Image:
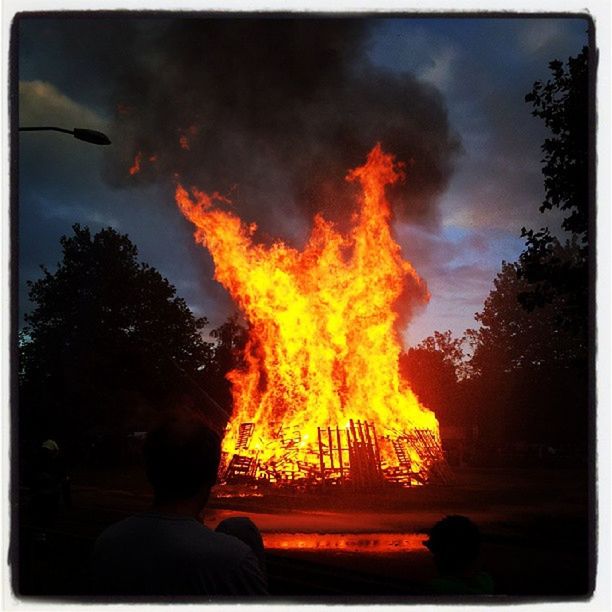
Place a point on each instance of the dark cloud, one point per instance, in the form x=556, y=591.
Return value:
x=80, y=55
x=485, y=67
x=276, y=111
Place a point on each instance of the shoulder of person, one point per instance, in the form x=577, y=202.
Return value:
x=226, y=546
x=116, y=533
x=242, y=572
x=118, y=527
x=231, y=561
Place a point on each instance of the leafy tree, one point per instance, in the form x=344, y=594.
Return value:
x=529, y=379
x=554, y=269
x=107, y=343
x=511, y=337
x=229, y=341
x=557, y=274
x=563, y=104
x=433, y=369
x=450, y=348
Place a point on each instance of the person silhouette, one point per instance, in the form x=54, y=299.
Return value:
x=50, y=485
x=168, y=551
x=455, y=545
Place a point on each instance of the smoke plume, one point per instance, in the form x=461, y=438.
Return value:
x=273, y=112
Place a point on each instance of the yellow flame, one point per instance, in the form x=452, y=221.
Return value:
x=322, y=348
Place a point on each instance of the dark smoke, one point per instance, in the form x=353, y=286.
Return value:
x=275, y=111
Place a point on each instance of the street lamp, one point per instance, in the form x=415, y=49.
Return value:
x=91, y=136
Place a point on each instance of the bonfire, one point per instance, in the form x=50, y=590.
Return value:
x=320, y=398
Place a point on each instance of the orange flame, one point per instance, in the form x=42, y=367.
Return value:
x=138, y=161
x=323, y=348
x=135, y=168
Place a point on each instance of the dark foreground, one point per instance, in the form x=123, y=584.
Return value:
x=535, y=523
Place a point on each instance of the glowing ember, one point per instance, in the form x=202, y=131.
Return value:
x=323, y=349
x=184, y=138
x=139, y=158
x=135, y=168
x=183, y=142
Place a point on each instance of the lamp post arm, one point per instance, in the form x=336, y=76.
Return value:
x=36, y=129
x=91, y=136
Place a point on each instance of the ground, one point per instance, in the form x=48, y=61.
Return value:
x=537, y=534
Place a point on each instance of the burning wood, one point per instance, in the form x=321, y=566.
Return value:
x=346, y=456
x=244, y=435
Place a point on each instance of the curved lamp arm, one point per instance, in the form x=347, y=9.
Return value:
x=91, y=136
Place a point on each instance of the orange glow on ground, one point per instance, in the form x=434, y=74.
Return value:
x=347, y=542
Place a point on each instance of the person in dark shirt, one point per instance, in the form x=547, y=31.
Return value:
x=168, y=551
x=50, y=485
x=455, y=545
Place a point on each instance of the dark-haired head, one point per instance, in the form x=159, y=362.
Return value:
x=182, y=458
x=454, y=543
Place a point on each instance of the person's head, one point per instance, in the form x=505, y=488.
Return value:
x=454, y=543
x=51, y=446
x=49, y=450
x=182, y=458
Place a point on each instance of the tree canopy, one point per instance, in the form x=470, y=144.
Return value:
x=512, y=337
x=107, y=341
x=229, y=341
x=433, y=368
x=559, y=271
x=563, y=104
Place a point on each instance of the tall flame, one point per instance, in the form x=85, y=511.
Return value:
x=323, y=346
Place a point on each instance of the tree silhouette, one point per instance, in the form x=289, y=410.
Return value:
x=511, y=337
x=529, y=380
x=554, y=269
x=563, y=104
x=433, y=369
x=107, y=342
x=227, y=354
